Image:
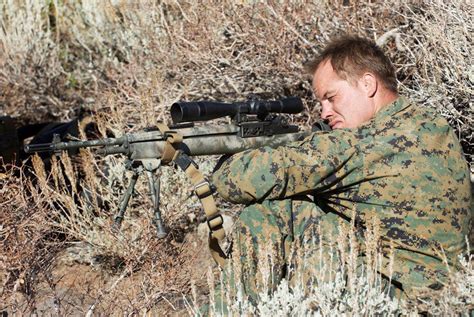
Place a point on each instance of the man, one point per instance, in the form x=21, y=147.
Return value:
x=386, y=159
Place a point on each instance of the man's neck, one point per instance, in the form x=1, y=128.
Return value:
x=384, y=99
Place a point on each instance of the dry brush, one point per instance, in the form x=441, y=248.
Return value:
x=127, y=61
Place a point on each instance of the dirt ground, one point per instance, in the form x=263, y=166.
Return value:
x=78, y=284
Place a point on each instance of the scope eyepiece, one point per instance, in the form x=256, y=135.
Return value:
x=208, y=110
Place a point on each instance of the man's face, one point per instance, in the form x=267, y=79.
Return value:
x=344, y=104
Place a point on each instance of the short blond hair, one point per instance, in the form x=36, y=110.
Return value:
x=351, y=56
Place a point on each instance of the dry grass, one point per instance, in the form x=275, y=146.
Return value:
x=128, y=61
x=347, y=286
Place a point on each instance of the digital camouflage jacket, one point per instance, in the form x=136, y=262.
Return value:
x=405, y=167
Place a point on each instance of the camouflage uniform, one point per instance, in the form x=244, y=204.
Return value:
x=404, y=167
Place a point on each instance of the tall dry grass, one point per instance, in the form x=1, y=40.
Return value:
x=128, y=61
x=349, y=284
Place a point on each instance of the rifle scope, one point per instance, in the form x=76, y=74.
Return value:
x=208, y=110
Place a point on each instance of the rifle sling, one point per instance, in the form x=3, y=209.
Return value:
x=173, y=138
x=202, y=189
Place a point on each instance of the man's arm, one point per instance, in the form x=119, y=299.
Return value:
x=318, y=163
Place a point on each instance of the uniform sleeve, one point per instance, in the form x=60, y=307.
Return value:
x=320, y=162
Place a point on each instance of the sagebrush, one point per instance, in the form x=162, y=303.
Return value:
x=127, y=61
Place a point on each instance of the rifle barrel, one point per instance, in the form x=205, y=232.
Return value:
x=60, y=146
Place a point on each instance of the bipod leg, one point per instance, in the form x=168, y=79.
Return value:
x=125, y=199
x=154, y=185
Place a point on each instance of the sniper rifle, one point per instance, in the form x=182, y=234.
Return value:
x=255, y=123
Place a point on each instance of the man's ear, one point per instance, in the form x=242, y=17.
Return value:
x=370, y=84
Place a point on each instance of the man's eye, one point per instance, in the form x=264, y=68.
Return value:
x=331, y=98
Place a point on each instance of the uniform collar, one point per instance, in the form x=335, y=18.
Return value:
x=389, y=110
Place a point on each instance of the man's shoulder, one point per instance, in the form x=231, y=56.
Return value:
x=407, y=115
x=423, y=110
x=428, y=119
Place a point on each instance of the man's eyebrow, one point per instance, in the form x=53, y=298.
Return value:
x=329, y=92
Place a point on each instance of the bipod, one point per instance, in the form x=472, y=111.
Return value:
x=149, y=166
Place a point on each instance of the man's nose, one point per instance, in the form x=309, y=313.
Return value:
x=326, y=110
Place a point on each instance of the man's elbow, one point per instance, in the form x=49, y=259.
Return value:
x=230, y=191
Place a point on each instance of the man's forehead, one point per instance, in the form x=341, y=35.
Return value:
x=322, y=78
x=325, y=65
